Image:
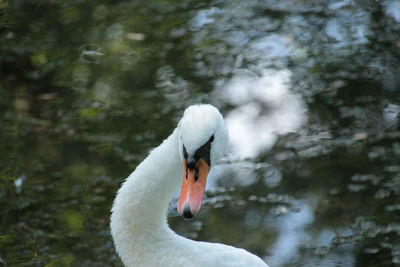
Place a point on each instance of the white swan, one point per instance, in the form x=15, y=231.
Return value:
x=138, y=221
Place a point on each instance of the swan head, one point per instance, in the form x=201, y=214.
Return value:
x=203, y=139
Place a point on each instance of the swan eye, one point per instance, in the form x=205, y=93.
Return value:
x=211, y=139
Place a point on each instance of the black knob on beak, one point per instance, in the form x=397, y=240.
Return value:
x=191, y=163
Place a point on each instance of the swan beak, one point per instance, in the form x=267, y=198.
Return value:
x=193, y=186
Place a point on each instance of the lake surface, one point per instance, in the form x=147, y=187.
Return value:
x=310, y=91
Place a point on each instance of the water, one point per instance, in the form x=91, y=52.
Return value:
x=309, y=90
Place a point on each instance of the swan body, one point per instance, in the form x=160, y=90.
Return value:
x=139, y=214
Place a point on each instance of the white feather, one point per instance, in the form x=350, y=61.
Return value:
x=138, y=221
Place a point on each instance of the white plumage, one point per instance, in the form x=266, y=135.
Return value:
x=138, y=221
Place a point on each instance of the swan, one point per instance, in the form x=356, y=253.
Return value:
x=138, y=224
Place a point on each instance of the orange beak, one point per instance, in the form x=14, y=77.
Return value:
x=192, y=191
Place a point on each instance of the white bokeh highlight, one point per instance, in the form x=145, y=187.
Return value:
x=265, y=109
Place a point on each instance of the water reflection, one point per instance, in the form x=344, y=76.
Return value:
x=392, y=8
x=291, y=234
x=19, y=182
x=309, y=90
x=265, y=109
x=90, y=54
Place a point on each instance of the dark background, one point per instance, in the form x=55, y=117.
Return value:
x=310, y=90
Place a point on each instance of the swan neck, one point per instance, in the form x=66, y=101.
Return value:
x=139, y=214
